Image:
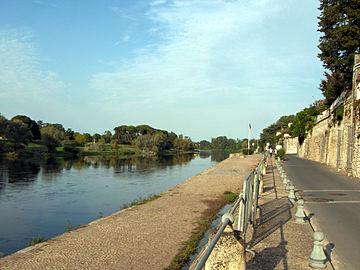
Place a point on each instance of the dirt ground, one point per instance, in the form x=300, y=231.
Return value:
x=144, y=236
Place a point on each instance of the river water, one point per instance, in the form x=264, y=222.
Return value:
x=40, y=198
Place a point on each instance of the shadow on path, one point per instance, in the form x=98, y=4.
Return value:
x=273, y=215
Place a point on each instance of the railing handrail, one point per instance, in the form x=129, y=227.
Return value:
x=227, y=218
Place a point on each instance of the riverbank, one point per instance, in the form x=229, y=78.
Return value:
x=147, y=236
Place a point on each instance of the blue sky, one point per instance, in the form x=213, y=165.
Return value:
x=201, y=68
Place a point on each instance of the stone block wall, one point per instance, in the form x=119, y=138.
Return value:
x=338, y=145
x=291, y=145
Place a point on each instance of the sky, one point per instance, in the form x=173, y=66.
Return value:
x=202, y=68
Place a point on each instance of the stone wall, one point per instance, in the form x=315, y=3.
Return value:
x=338, y=145
x=291, y=145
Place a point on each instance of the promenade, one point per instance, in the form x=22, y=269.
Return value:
x=145, y=236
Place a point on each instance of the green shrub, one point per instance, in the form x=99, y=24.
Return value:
x=247, y=151
x=68, y=226
x=71, y=149
x=33, y=241
x=230, y=196
x=280, y=153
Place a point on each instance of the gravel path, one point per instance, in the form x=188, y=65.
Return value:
x=145, y=236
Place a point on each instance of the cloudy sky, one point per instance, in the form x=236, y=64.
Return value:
x=201, y=68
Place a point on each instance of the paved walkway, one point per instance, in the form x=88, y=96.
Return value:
x=143, y=237
x=279, y=242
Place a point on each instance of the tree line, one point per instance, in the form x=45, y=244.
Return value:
x=224, y=143
x=21, y=130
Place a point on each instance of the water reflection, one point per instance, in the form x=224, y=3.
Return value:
x=12, y=171
x=219, y=155
x=17, y=171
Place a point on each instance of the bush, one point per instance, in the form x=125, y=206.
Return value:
x=71, y=149
x=99, y=146
x=247, y=151
x=280, y=153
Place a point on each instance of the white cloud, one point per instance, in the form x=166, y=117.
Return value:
x=22, y=79
x=205, y=46
x=157, y=2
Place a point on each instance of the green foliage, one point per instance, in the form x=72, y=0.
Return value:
x=98, y=146
x=97, y=137
x=339, y=113
x=113, y=144
x=80, y=138
x=205, y=145
x=224, y=143
x=107, y=136
x=268, y=134
x=332, y=86
x=141, y=201
x=52, y=135
x=31, y=125
x=69, y=135
x=68, y=226
x=230, y=196
x=35, y=240
x=305, y=120
x=280, y=153
x=71, y=149
x=247, y=151
x=15, y=132
x=339, y=22
x=50, y=142
x=56, y=131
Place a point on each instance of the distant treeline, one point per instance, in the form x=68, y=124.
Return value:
x=21, y=130
x=223, y=143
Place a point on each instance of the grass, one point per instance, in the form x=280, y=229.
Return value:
x=140, y=201
x=33, y=241
x=191, y=245
x=230, y=196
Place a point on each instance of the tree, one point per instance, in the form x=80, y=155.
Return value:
x=339, y=22
x=88, y=137
x=69, y=135
x=107, y=136
x=96, y=137
x=52, y=135
x=3, y=124
x=17, y=133
x=80, y=138
x=268, y=134
x=206, y=145
x=50, y=142
x=305, y=120
x=31, y=125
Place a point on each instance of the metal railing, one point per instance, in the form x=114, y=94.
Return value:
x=247, y=204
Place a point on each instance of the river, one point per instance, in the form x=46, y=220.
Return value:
x=41, y=198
